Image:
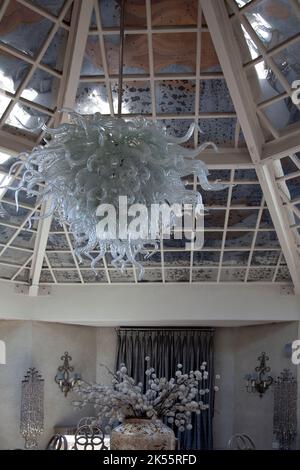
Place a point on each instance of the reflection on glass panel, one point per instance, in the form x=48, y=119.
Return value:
x=117, y=276
x=267, y=239
x=246, y=194
x=14, y=256
x=248, y=174
x=145, y=260
x=214, y=219
x=263, y=82
x=261, y=274
x=27, y=119
x=215, y=97
x=283, y=113
x=12, y=72
x=177, y=275
x=25, y=239
x=288, y=62
x=136, y=98
x=242, y=3
x=265, y=258
x=176, y=96
x=288, y=166
x=67, y=277
x=204, y=275
x=266, y=220
x=42, y=89
x=152, y=275
x=232, y=258
x=232, y=275
x=283, y=275
x=181, y=12
x=294, y=187
x=92, y=98
x=177, y=258
x=273, y=22
x=176, y=127
x=220, y=131
x=92, y=61
x=92, y=277
x=135, y=13
x=206, y=258
x=23, y=276
x=55, y=54
x=238, y=239
x=46, y=277
x=242, y=218
x=135, y=54
x=57, y=242
x=209, y=57
x=5, y=234
x=214, y=198
x=221, y=175
x=174, y=52
x=4, y=102
x=53, y=6
x=24, y=29
x=7, y=272
x=213, y=239
x=60, y=260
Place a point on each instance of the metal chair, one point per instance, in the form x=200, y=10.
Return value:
x=241, y=442
x=89, y=435
x=57, y=442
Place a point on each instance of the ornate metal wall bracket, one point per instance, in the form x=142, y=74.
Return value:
x=259, y=381
x=32, y=408
x=65, y=377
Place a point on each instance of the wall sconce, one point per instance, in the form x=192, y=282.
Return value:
x=65, y=377
x=259, y=381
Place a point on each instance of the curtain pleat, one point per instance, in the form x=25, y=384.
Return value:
x=167, y=348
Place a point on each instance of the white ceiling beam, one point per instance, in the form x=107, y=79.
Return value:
x=228, y=52
x=281, y=147
x=81, y=17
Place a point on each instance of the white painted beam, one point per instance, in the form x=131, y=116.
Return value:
x=281, y=147
x=228, y=52
x=81, y=16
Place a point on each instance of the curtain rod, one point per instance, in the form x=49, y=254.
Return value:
x=158, y=328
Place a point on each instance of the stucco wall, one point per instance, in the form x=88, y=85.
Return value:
x=40, y=345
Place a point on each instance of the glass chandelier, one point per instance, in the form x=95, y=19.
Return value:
x=95, y=159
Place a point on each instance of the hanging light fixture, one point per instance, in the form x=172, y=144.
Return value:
x=94, y=160
x=259, y=381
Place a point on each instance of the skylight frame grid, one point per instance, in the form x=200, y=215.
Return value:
x=261, y=47
x=16, y=97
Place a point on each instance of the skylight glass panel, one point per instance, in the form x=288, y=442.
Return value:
x=136, y=98
x=175, y=96
x=273, y=22
x=27, y=32
x=92, y=60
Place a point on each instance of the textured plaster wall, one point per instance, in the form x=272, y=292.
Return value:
x=237, y=350
x=40, y=345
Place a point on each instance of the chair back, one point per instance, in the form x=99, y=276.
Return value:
x=57, y=442
x=241, y=442
x=89, y=435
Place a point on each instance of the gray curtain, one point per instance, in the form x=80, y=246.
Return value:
x=167, y=348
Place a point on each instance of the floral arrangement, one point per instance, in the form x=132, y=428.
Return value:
x=176, y=399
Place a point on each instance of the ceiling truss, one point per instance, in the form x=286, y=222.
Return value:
x=259, y=153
